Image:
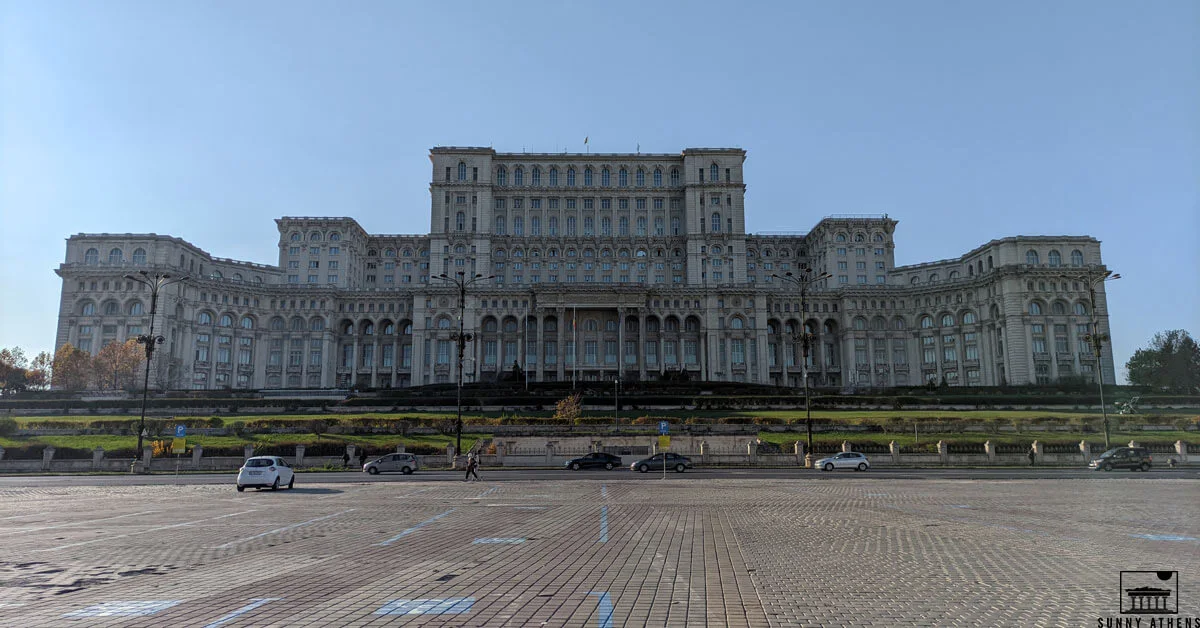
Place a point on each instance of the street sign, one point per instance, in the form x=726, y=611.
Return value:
x=664, y=427
x=664, y=442
x=179, y=445
x=180, y=431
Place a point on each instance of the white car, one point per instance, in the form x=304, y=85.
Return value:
x=844, y=460
x=265, y=472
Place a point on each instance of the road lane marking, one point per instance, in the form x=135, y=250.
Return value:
x=414, y=529
x=483, y=494
x=604, y=609
x=77, y=523
x=38, y=514
x=257, y=602
x=604, y=524
x=284, y=529
x=121, y=536
x=432, y=606
x=498, y=541
x=1164, y=537
x=124, y=609
x=412, y=493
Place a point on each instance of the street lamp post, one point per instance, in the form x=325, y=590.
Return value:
x=806, y=278
x=1096, y=338
x=156, y=283
x=461, y=337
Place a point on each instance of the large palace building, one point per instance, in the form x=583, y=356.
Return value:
x=605, y=265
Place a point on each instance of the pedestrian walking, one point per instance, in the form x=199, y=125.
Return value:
x=472, y=465
x=346, y=460
x=1032, y=457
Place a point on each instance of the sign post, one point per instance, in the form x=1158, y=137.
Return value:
x=664, y=443
x=179, y=445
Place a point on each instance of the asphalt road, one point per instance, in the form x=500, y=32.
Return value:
x=502, y=475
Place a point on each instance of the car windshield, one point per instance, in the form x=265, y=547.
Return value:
x=1109, y=453
x=259, y=463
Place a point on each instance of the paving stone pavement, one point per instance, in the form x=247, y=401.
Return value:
x=626, y=551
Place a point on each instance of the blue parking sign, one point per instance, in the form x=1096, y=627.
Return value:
x=664, y=428
x=180, y=431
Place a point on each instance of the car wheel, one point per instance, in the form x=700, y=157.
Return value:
x=608, y=466
x=575, y=466
x=406, y=471
x=275, y=485
x=679, y=468
x=1107, y=467
x=372, y=471
x=1145, y=466
x=644, y=468
x=862, y=466
x=241, y=489
x=292, y=483
x=829, y=466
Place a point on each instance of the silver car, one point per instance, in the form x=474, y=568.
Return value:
x=844, y=460
x=404, y=463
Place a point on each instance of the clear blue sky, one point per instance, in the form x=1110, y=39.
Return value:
x=965, y=121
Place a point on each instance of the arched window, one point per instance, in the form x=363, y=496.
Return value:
x=135, y=308
x=841, y=237
x=591, y=325
x=969, y=318
x=518, y=176
x=714, y=173
x=217, y=274
x=535, y=176
x=878, y=237
x=1077, y=258
x=926, y=322
x=736, y=323
x=933, y=277
x=115, y=256
x=1081, y=309
x=295, y=237
x=1035, y=308
x=315, y=236
x=335, y=236
x=510, y=326
x=389, y=328
x=587, y=177
x=443, y=323
x=1031, y=257
x=247, y=322
x=553, y=177
x=501, y=176
x=898, y=323
x=226, y=320
x=915, y=281
x=460, y=222
x=277, y=324
x=204, y=318
x=878, y=324
x=674, y=177
x=641, y=178
x=1058, y=308
x=499, y=225
x=605, y=179
x=570, y=177
x=990, y=266
x=92, y=256
x=623, y=178
x=716, y=222
x=89, y=309
x=139, y=257
x=1054, y=258
x=860, y=323
x=317, y=324
x=658, y=177
x=462, y=171
x=368, y=329
x=947, y=320
x=489, y=325
x=858, y=237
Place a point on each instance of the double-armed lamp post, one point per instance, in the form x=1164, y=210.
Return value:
x=462, y=337
x=156, y=283
x=1097, y=338
x=806, y=278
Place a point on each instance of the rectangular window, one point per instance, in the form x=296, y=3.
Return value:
x=739, y=351
x=899, y=352
x=406, y=356
x=550, y=350
x=928, y=349
x=651, y=354
x=610, y=351
x=443, y=352
x=388, y=355
x=589, y=352
x=689, y=352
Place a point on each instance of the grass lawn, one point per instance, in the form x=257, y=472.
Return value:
x=786, y=439
x=111, y=443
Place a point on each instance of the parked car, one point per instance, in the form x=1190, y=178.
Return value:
x=404, y=463
x=844, y=460
x=655, y=463
x=1132, y=458
x=264, y=472
x=594, y=460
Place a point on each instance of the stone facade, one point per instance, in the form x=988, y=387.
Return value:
x=639, y=263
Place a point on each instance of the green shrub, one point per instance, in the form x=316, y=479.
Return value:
x=8, y=426
x=216, y=422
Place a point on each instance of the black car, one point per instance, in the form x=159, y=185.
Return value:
x=594, y=460
x=655, y=463
x=1132, y=458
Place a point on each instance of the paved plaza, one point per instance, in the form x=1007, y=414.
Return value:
x=601, y=549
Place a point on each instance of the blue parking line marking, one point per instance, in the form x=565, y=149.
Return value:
x=432, y=606
x=603, y=491
x=604, y=609
x=604, y=524
x=414, y=528
x=498, y=541
x=255, y=603
x=1164, y=537
x=124, y=609
x=483, y=494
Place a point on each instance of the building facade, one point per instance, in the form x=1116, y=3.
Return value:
x=595, y=266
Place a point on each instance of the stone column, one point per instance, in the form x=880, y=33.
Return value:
x=47, y=457
x=752, y=452
x=1133, y=443
x=1085, y=449
x=97, y=458
x=989, y=448
x=400, y=448
x=561, y=358
x=450, y=458
x=147, y=458
x=621, y=339
x=500, y=448
x=247, y=451
x=1037, y=452
x=1, y=453
x=943, y=452
x=550, y=452
x=197, y=454
x=1181, y=450
x=798, y=449
x=299, y=455
x=641, y=344
x=539, y=351
x=894, y=450
x=846, y=446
